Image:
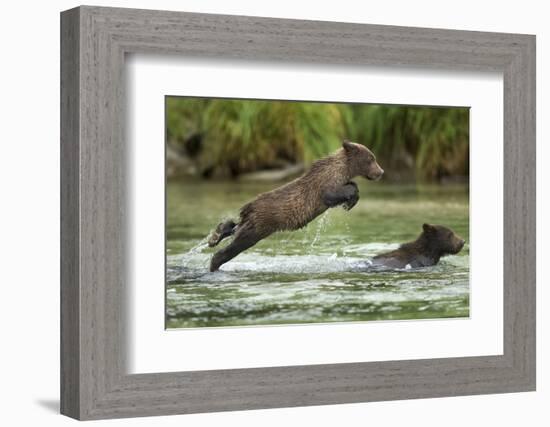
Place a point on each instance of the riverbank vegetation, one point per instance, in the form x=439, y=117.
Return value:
x=227, y=138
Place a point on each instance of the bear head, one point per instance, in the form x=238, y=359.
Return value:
x=441, y=240
x=361, y=161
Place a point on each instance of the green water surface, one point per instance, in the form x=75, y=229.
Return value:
x=319, y=273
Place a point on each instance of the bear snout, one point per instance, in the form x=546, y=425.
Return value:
x=459, y=245
x=376, y=175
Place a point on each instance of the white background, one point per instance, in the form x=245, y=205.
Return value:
x=152, y=349
x=29, y=177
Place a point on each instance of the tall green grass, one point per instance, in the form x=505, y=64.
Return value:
x=246, y=135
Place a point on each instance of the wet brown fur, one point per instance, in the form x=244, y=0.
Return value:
x=294, y=205
x=297, y=203
x=434, y=242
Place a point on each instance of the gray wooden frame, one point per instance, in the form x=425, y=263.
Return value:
x=94, y=41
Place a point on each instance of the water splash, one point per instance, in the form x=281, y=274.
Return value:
x=198, y=248
x=190, y=260
x=322, y=224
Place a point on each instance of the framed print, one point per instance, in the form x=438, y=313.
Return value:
x=262, y=213
x=323, y=263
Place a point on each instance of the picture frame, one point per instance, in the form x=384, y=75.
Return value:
x=94, y=269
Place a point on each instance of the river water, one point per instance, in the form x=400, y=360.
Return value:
x=319, y=273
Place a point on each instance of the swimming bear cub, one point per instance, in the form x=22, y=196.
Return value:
x=328, y=183
x=434, y=242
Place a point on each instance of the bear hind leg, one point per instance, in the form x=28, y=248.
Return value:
x=223, y=230
x=243, y=240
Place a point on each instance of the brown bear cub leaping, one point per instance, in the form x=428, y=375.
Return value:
x=434, y=242
x=292, y=206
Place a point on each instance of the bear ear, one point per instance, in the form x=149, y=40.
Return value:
x=348, y=146
x=427, y=227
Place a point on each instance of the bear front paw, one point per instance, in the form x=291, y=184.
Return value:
x=349, y=205
x=351, y=202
